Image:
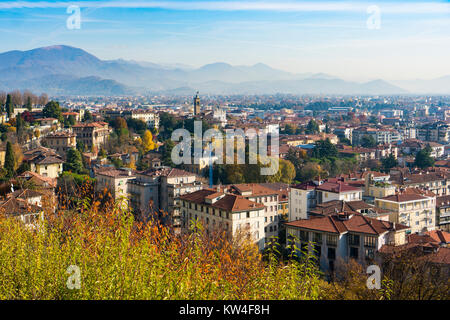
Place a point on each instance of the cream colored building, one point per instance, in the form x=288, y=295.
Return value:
x=259, y=194
x=44, y=161
x=116, y=182
x=61, y=141
x=412, y=208
x=224, y=211
x=92, y=135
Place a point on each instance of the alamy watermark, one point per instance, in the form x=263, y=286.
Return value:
x=211, y=142
x=373, y=22
x=74, y=20
x=74, y=280
x=374, y=280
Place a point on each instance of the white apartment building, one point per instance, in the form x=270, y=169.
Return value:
x=149, y=117
x=339, y=190
x=302, y=198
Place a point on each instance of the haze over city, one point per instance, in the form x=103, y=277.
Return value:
x=332, y=37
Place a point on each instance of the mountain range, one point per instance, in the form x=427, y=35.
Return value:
x=65, y=70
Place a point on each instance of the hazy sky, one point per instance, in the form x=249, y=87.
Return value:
x=413, y=39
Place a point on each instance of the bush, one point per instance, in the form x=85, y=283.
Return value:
x=121, y=258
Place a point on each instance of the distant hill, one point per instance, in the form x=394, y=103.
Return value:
x=67, y=70
x=434, y=86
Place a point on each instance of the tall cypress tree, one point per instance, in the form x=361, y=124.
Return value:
x=29, y=104
x=9, y=160
x=9, y=106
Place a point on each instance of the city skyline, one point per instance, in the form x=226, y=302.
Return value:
x=335, y=38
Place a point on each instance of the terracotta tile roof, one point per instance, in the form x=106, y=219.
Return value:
x=229, y=202
x=356, y=223
x=403, y=197
x=337, y=187
x=305, y=186
x=439, y=236
x=281, y=188
x=331, y=207
x=115, y=173
x=443, y=201
x=256, y=189
x=15, y=206
x=428, y=251
x=60, y=134
x=38, y=179
x=41, y=155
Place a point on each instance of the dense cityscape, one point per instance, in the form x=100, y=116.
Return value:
x=362, y=179
x=225, y=159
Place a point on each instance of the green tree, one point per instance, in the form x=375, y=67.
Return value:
x=29, y=104
x=289, y=129
x=389, y=162
x=312, y=127
x=9, y=106
x=423, y=158
x=88, y=116
x=368, y=142
x=71, y=120
x=167, y=153
x=324, y=149
x=74, y=162
x=19, y=127
x=9, y=160
x=53, y=110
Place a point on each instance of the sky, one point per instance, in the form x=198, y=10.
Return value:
x=353, y=40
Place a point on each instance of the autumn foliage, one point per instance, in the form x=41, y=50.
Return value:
x=121, y=258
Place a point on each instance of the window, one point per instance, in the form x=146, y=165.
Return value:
x=353, y=239
x=248, y=214
x=317, y=237
x=370, y=242
x=304, y=236
x=332, y=240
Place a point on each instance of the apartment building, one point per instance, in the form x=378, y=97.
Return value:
x=151, y=118
x=443, y=213
x=61, y=141
x=337, y=190
x=380, y=135
x=377, y=185
x=411, y=207
x=344, y=132
x=265, y=196
x=344, y=236
x=44, y=161
x=92, y=135
x=413, y=146
x=436, y=132
x=159, y=189
x=437, y=182
x=302, y=198
x=224, y=211
x=116, y=182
